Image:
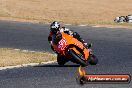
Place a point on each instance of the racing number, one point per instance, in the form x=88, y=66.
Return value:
x=62, y=44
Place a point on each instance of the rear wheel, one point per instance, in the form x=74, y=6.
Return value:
x=77, y=58
x=61, y=60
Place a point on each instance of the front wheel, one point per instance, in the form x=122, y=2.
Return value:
x=77, y=58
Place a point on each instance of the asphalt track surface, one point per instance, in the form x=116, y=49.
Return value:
x=113, y=47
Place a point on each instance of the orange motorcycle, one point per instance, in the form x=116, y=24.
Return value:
x=69, y=48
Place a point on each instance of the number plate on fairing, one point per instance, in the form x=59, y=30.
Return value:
x=62, y=44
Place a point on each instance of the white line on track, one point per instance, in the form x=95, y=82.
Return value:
x=32, y=51
x=68, y=24
x=17, y=49
x=82, y=25
x=27, y=65
x=96, y=26
x=25, y=50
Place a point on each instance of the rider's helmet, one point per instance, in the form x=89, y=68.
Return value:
x=54, y=27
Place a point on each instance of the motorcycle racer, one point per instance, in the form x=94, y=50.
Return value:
x=55, y=28
x=69, y=48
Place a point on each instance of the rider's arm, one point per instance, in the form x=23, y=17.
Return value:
x=66, y=30
x=50, y=37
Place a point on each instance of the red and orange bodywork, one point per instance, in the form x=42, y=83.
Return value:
x=70, y=40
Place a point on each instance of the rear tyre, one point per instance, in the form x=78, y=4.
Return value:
x=77, y=58
x=93, y=60
x=61, y=60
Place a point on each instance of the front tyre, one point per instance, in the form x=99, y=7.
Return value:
x=77, y=58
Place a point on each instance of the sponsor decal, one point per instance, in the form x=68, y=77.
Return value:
x=83, y=78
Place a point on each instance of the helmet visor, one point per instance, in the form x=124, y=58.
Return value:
x=54, y=30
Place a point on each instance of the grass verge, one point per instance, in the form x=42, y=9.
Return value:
x=11, y=57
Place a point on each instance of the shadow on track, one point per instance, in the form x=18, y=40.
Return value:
x=57, y=66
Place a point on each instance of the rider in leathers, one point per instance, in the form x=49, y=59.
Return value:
x=55, y=29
